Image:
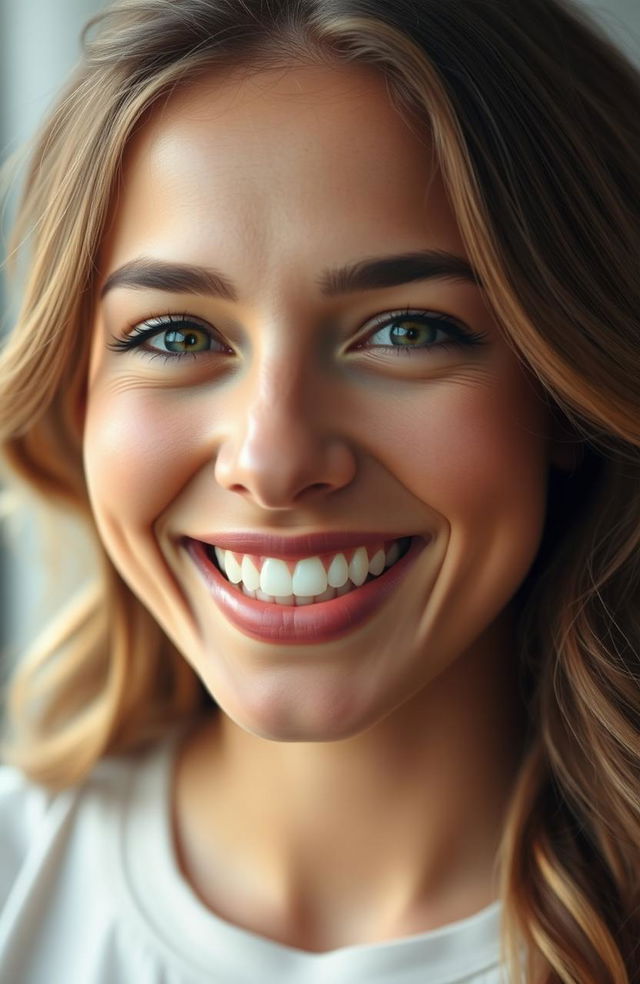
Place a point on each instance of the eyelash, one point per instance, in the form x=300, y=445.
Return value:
x=458, y=336
x=138, y=334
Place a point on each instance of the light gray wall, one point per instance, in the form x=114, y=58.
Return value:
x=38, y=46
x=621, y=18
x=39, y=43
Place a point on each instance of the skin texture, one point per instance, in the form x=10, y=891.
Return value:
x=349, y=791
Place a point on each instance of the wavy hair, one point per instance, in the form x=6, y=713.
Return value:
x=535, y=121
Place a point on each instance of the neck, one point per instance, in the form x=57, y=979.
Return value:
x=391, y=832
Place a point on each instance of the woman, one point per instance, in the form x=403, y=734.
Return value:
x=330, y=330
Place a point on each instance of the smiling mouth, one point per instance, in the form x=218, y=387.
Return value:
x=311, y=579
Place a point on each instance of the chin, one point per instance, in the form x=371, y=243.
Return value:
x=320, y=715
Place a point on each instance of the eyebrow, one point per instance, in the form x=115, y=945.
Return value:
x=368, y=274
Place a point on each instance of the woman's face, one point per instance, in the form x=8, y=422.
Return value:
x=263, y=365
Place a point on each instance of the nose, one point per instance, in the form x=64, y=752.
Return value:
x=283, y=444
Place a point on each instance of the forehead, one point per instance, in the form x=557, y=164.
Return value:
x=260, y=160
x=297, y=99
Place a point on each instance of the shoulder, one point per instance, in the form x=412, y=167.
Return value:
x=20, y=798
x=61, y=865
x=24, y=807
x=35, y=821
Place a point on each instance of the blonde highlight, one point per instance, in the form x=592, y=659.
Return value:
x=563, y=291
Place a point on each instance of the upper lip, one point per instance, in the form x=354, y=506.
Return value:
x=293, y=547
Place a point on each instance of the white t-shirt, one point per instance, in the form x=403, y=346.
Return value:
x=91, y=893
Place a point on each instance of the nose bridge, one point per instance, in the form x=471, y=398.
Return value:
x=279, y=389
x=283, y=442
x=277, y=424
x=282, y=380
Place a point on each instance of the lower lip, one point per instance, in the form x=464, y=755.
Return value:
x=321, y=621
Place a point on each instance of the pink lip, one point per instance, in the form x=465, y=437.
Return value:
x=296, y=547
x=316, y=623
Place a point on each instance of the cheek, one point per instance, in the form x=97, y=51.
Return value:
x=137, y=452
x=459, y=448
x=476, y=457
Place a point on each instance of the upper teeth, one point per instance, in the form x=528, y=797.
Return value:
x=308, y=577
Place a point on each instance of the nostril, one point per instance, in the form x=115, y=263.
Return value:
x=310, y=493
x=316, y=487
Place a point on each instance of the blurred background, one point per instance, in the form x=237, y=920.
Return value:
x=39, y=43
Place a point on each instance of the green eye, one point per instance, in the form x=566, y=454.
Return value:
x=422, y=331
x=409, y=334
x=172, y=336
x=174, y=340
